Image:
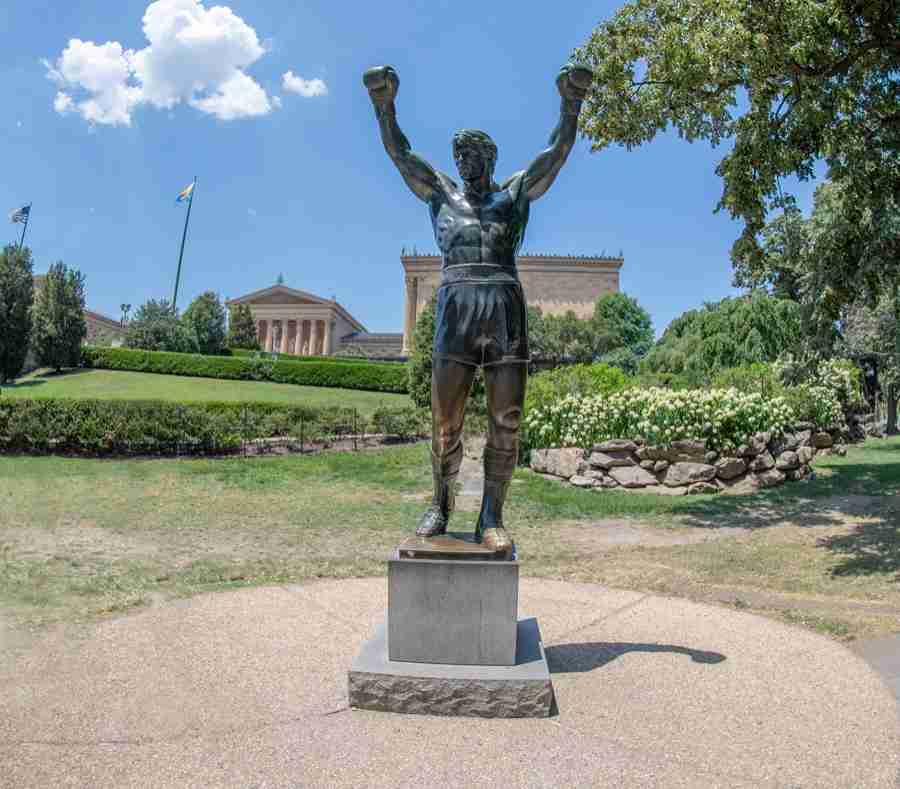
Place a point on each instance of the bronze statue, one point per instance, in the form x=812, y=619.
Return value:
x=480, y=310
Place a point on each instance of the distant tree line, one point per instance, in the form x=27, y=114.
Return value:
x=202, y=328
x=49, y=320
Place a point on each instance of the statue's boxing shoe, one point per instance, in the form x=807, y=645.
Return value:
x=497, y=540
x=432, y=523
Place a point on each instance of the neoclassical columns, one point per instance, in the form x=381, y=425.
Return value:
x=409, y=321
x=297, y=335
x=314, y=339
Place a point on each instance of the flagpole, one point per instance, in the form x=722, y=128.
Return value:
x=183, y=238
x=27, y=217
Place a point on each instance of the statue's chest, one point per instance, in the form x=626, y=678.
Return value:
x=460, y=223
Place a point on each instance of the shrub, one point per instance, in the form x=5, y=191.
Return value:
x=343, y=375
x=163, y=427
x=760, y=377
x=844, y=378
x=816, y=404
x=578, y=379
x=405, y=422
x=724, y=418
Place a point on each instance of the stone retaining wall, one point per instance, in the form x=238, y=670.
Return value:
x=687, y=467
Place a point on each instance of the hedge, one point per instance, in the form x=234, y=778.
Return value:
x=163, y=427
x=371, y=376
x=245, y=353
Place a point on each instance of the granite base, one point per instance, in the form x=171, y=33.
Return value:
x=523, y=690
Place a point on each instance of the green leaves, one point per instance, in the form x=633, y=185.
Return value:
x=16, y=298
x=788, y=84
x=58, y=322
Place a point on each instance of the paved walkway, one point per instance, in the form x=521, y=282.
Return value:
x=248, y=689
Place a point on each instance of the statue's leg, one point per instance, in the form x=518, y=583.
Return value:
x=450, y=384
x=505, y=385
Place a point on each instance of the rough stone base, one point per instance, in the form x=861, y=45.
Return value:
x=520, y=691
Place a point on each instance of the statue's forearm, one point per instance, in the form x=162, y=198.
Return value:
x=544, y=169
x=563, y=137
x=395, y=142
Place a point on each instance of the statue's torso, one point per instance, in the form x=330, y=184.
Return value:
x=489, y=230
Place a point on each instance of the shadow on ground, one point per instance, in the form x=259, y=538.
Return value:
x=579, y=658
x=868, y=550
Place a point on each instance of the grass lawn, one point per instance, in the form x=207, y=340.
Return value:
x=117, y=385
x=83, y=538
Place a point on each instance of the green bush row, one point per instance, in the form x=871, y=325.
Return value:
x=163, y=427
x=245, y=353
x=375, y=377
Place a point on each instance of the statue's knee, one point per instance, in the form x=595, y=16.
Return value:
x=509, y=419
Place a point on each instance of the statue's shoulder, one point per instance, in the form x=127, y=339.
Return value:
x=446, y=182
x=515, y=185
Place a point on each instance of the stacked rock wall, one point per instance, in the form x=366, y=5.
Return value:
x=687, y=467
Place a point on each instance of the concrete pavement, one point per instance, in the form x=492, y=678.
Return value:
x=248, y=689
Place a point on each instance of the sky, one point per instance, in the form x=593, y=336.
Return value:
x=110, y=110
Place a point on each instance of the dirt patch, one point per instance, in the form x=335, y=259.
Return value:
x=611, y=533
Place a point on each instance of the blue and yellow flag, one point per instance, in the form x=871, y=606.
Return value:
x=185, y=193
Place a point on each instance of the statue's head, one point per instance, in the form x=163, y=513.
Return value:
x=475, y=154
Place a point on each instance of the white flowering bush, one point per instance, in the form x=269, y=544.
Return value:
x=843, y=378
x=724, y=418
x=814, y=403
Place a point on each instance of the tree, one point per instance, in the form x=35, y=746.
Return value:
x=16, y=299
x=789, y=84
x=156, y=327
x=623, y=331
x=59, y=326
x=871, y=335
x=840, y=253
x=205, y=319
x=560, y=339
x=419, y=365
x=242, y=328
x=126, y=308
x=729, y=333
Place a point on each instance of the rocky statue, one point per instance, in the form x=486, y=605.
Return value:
x=480, y=308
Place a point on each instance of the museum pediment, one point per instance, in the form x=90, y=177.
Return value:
x=279, y=295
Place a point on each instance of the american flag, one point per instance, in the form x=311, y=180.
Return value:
x=20, y=215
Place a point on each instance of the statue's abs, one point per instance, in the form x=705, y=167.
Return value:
x=488, y=232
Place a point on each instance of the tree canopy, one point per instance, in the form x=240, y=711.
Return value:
x=16, y=298
x=205, y=319
x=618, y=333
x=156, y=327
x=242, y=328
x=728, y=333
x=58, y=323
x=787, y=83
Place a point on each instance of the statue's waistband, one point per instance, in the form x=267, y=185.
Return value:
x=478, y=272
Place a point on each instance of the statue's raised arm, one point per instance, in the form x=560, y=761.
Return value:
x=382, y=83
x=573, y=83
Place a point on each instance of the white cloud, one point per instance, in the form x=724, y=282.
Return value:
x=305, y=87
x=196, y=55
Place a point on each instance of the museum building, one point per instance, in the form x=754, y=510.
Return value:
x=300, y=323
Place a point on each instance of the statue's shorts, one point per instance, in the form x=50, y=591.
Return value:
x=480, y=317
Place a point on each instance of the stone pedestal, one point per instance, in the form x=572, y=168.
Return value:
x=453, y=611
x=522, y=690
x=453, y=643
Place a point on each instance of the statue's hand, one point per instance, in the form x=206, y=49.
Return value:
x=574, y=82
x=382, y=83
